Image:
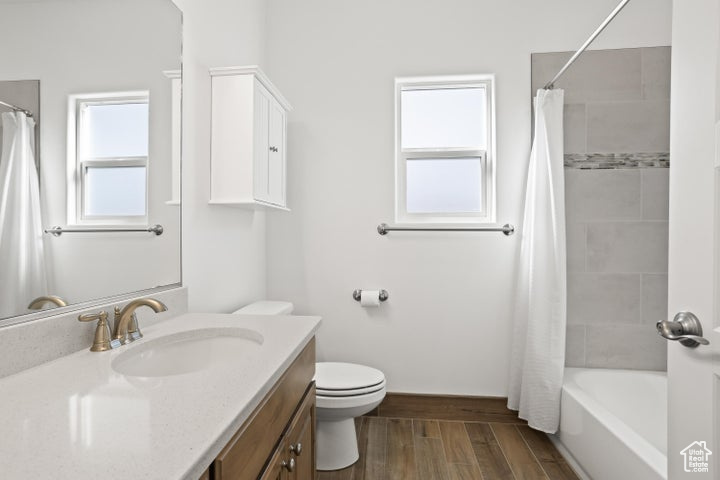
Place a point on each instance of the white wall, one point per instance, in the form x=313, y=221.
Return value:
x=223, y=247
x=446, y=327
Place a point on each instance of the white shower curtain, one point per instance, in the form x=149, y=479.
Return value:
x=538, y=352
x=22, y=259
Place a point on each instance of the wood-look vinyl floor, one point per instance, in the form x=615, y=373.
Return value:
x=421, y=449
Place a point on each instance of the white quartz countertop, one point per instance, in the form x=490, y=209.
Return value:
x=75, y=417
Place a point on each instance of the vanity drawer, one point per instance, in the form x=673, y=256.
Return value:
x=247, y=452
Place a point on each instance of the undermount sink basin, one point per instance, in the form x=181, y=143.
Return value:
x=187, y=352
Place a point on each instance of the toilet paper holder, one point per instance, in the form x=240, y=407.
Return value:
x=383, y=295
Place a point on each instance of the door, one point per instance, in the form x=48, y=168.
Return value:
x=277, y=468
x=694, y=247
x=301, y=438
x=276, y=160
x=261, y=142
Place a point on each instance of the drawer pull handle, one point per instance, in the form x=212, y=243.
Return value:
x=296, y=449
x=289, y=465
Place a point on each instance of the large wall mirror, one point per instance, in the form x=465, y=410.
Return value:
x=90, y=151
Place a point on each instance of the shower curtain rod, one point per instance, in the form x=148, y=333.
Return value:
x=16, y=109
x=551, y=83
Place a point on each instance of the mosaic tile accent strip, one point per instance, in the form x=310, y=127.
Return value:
x=598, y=161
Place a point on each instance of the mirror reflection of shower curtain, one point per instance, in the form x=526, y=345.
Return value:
x=23, y=275
x=537, y=361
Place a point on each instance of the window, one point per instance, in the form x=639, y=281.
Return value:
x=445, y=150
x=108, y=151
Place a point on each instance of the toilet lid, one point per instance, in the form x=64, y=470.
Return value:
x=346, y=376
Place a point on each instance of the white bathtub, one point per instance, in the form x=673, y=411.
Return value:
x=613, y=423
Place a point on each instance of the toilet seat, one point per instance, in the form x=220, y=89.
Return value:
x=350, y=392
x=345, y=379
x=365, y=402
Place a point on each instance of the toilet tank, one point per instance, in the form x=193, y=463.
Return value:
x=266, y=307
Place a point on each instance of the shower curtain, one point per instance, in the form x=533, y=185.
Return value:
x=538, y=351
x=22, y=258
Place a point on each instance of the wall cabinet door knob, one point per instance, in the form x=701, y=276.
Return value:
x=273, y=149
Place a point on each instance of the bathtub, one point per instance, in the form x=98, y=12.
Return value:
x=613, y=423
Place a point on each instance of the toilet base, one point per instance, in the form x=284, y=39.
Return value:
x=336, y=444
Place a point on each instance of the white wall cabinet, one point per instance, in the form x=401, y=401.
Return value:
x=248, y=162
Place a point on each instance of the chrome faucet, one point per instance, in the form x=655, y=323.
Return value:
x=126, y=327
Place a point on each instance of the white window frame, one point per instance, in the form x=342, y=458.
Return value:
x=77, y=166
x=487, y=156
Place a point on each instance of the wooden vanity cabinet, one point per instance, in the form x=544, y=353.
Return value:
x=294, y=459
x=266, y=446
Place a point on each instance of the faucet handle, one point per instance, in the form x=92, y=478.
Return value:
x=89, y=317
x=102, y=341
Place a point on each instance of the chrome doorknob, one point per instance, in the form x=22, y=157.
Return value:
x=685, y=328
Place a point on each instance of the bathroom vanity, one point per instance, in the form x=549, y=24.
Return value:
x=209, y=396
x=279, y=433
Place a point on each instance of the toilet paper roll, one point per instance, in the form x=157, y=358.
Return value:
x=370, y=298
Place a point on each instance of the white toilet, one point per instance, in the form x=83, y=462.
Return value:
x=344, y=391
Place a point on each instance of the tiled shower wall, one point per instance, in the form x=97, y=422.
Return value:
x=617, y=121
x=24, y=94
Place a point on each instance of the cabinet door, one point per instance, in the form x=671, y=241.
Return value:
x=277, y=468
x=276, y=161
x=264, y=434
x=301, y=438
x=262, y=141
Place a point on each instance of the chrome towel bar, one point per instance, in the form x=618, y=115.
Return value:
x=384, y=228
x=57, y=231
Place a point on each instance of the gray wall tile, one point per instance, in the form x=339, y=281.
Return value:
x=575, y=346
x=602, y=194
x=638, y=247
x=628, y=127
x=575, y=240
x=574, y=128
x=654, y=298
x=616, y=102
x=656, y=72
x=625, y=346
x=655, y=193
x=543, y=68
x=24, y=94
x=603, y=298
x=597, y=75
